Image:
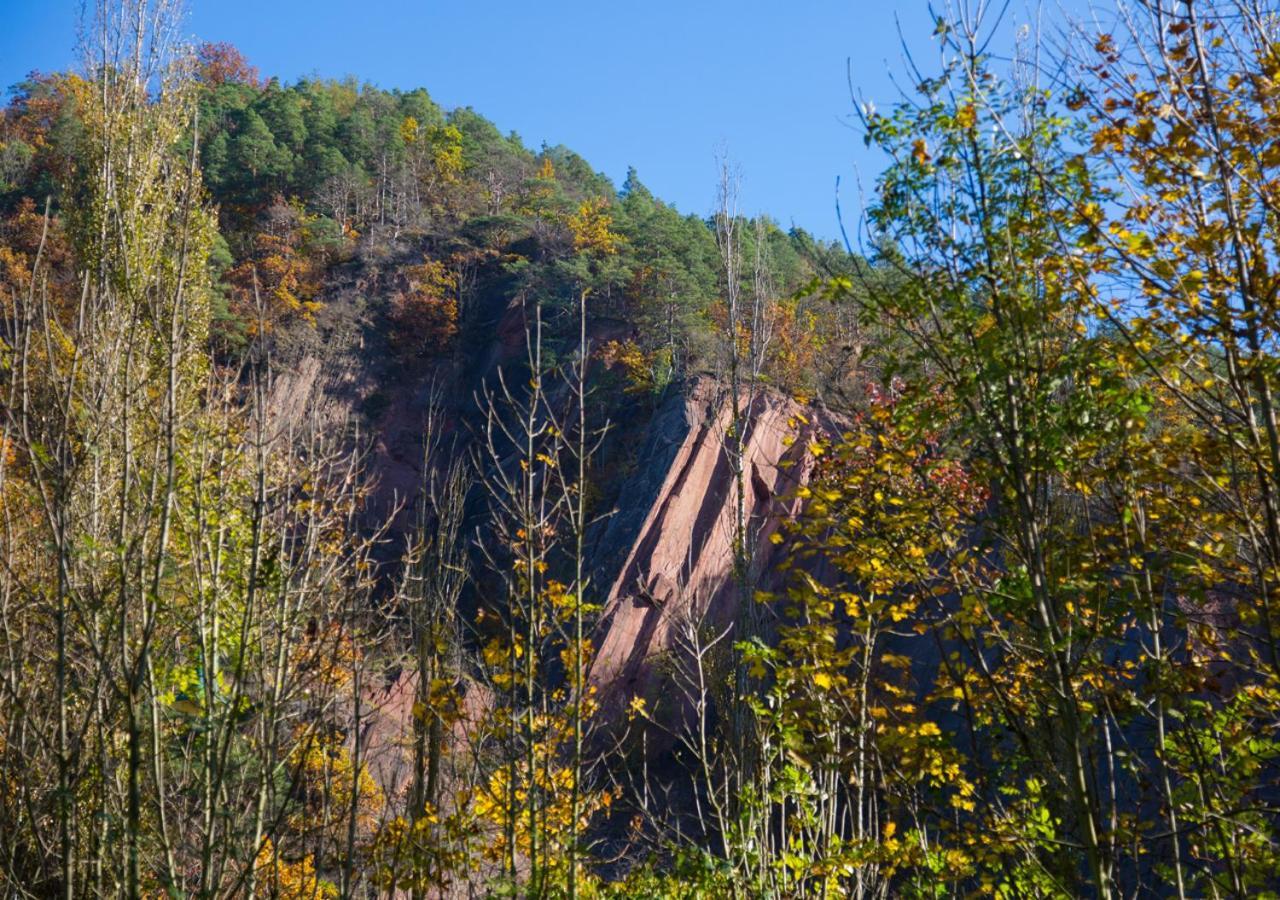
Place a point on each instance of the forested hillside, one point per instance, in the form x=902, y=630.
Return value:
x=310, y=176
x=391, y=509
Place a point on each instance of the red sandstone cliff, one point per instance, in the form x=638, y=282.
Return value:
x=679, y=563
x=666, y=556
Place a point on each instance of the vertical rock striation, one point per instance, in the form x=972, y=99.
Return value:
x=677, y=521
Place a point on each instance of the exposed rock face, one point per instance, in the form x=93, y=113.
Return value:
x=666, y=556
x=387, y=733
x=677, y=520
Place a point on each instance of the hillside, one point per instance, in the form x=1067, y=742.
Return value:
x=390, y=509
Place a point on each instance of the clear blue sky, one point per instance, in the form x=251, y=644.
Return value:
x=659, y=85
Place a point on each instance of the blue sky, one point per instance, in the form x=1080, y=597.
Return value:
x=659, y=85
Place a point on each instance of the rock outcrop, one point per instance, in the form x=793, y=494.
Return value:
x=663, y=560
x=677, y=520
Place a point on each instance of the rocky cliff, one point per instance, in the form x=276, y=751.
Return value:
x=662, y=560
x=677, y=522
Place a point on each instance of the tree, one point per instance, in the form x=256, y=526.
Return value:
x=280, y=277
x=425, y=315
x=1178, y=102
x=221, y=63
x=263, y=166
x=850, y=753
x=981, y=201
x=178, y=629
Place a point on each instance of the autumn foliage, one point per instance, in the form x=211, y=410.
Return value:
x=425, y=313
x=280, y=276
x=1005, y=624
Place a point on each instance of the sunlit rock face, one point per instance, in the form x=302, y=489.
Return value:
x=677, y=522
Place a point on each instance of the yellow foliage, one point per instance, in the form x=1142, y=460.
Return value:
x=590, y=228
x=290, y=880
